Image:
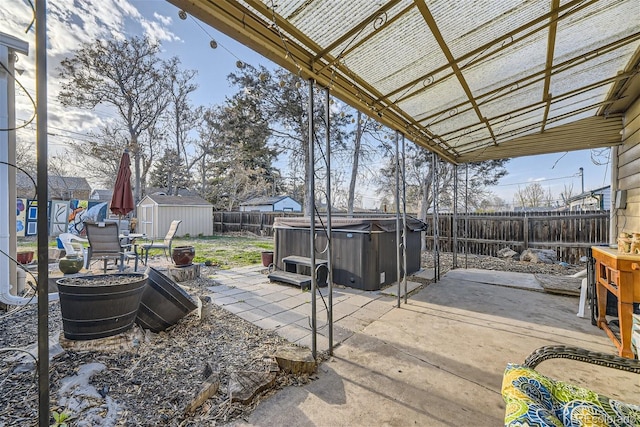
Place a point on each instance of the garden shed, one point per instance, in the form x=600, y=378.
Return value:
x=156, y=211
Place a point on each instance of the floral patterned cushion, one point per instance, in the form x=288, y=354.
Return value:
x=535, y=400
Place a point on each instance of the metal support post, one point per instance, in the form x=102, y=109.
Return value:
x=312, y=220
x=397, y=167
x=436, y=224
x=466, y=214
x=454, y=227
x=329, y=207
x=404, y=222
x=43, y=227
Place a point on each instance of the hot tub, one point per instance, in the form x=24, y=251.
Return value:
x=364, y=249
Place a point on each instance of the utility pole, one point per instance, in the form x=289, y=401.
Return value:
x=582, y=179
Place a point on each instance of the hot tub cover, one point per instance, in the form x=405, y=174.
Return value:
x=374, y=224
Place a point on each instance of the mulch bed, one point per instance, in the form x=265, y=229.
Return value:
x=149, y=384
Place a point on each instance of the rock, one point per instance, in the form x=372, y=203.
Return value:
x=210, y=368
x=205, y=308
x=507, y=253
x=584, y=259
x=295, y=360
x=245, y=385
x=539, y=256
x=209, y=388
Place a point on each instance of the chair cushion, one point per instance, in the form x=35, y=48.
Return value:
x=535, y=400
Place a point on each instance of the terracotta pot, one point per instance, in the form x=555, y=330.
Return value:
x=70, y=264
x=267, y=258
x=25, y=257
x=183, y=255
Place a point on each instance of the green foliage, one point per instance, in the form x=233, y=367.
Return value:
x=169, y=172
x=60, y=418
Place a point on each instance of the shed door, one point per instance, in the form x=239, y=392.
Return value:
x=145, y=218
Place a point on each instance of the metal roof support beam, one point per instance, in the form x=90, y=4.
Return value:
x=366, y=38
x=355, y=30
x=433, y=26
x=528, y=108
x=536, y=77
x=529, y=127
x=551, y=44
x=634, y=64
x=261, y=34
x=591, y=132
x=568, y=6
x=365, y=94
x=546, y=113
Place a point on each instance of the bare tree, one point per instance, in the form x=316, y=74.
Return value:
x=531, y=196
x=181, y=117
x=125, y=74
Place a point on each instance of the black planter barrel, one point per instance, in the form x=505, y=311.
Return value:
x=163, y=303
x=91, y=311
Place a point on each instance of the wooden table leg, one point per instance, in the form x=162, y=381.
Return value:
x=602, y=298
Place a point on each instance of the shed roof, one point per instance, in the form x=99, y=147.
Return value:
x=177, y=200
x=469, y=80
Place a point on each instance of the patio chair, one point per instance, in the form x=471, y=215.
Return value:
x=165, y=245
x=535, y=400
x=105, y=244
x=72, y=244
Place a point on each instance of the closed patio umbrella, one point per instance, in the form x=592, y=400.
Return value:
x=122, y=199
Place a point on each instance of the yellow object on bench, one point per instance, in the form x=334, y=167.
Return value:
x=535, y=400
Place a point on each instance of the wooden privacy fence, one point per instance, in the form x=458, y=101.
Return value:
x=570, y=234
x=255, y=222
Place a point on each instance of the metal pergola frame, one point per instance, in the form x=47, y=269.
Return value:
x=256, y=25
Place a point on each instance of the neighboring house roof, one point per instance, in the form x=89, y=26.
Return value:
x=589, y=193
x=59, y=186
x=101, y=194
x=161, y=199
x=264, y=200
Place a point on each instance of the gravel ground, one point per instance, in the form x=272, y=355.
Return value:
x=149, y=385
x=493, y=263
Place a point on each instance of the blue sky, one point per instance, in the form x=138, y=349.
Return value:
x=74, y=22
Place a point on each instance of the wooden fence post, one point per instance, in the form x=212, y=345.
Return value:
x=525, y=234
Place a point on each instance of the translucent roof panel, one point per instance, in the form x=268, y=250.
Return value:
x=398, y=60
x=596, y=25
x=511, y=99
x=573, y=103
x=596, y=69
x=324, y=21
x=398, y=54
x=553, y=122
x=516, y=61
x=523, y=124
x=467, y=28
x=455, y=122
x=441, y=96
x=578, y=105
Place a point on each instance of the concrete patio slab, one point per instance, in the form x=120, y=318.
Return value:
x=493, y=277
x=438, y=360
x=392, y=290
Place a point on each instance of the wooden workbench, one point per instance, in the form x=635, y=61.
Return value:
x=620, y=274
